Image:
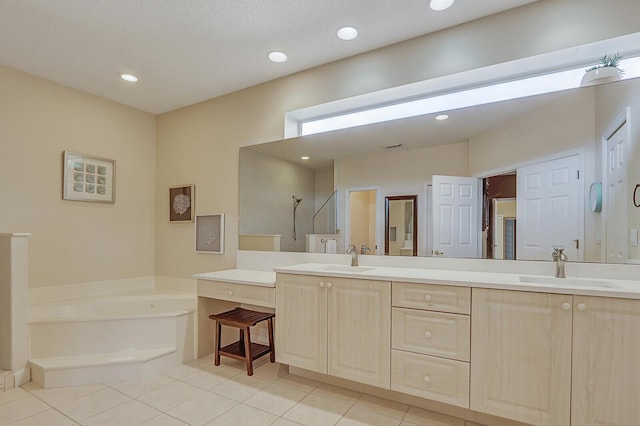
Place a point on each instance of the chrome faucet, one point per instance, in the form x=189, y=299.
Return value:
x=353, y=251
x=559, y=257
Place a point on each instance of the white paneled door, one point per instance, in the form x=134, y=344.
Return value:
x=548, y=199
x=455, y=216
x=616, y=197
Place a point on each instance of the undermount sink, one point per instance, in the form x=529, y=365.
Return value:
x=338, y=268
x=579, y=282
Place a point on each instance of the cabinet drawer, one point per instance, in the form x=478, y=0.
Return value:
x=431, y=297
x=429, y=377
x=431, y=333
x=241, y=293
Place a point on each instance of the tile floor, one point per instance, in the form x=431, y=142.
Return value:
x=198, y=393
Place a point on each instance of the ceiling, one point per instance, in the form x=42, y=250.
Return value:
x=187, y=51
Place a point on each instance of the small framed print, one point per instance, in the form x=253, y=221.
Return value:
x=181, y=203
x=80, y=172
x=210, y=233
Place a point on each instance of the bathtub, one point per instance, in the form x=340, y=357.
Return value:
x=147, y=304
x=111, y=337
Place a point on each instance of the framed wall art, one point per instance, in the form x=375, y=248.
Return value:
x=181, y=203
x=88, y=178
x=210, y=233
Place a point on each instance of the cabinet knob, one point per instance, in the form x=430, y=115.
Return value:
x=329, y=285
x=230, y=293
x=582, y=307
x=566, y=306
x=428, y=297
x=427, y=334
x=321, y=284
x=427, y=379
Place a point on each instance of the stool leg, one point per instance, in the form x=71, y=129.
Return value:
x=247, y=351
x=272, y=354
x=216, y=356
x=241, y=341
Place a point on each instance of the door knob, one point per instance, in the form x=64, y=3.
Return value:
x=438, y=252
x=566, y=306
x=321, y=284
x=582, y=307
x=329, y=285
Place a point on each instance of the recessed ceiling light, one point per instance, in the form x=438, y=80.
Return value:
x=129, y=77
x=441, y=117
x=305, y=157
x=440, y=4
x=347, y=33
x=277, y=57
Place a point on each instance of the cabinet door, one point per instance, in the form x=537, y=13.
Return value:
x=301, y=322
x=359, y=316
x=606, y=353
x=521, y=356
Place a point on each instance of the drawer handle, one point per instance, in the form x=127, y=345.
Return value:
x=427, y=379
x=566, y=306
x=427, y=334
x=428, y=297
x=582, y=307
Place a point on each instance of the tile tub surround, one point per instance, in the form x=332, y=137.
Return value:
x=197, y=393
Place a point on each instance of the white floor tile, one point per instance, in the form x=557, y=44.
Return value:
x=337, y=393
x=202, y=409
x=276, y=398
x=382, y=406
x=19, y=409
x=170, y=395
x=48, y=417
x=136, y=388
x=58, y=396
x=92, y=404
x=243, y=415
x=13, y=395
x=240, y=387
x=315, y=410
x=163, y=420
x=359, y=416
x=130, y=413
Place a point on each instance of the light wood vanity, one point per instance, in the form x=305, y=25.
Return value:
x=487, y=343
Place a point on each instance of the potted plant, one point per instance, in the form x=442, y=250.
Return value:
x=606, y=71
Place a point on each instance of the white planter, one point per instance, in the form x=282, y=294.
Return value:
x=600, y=75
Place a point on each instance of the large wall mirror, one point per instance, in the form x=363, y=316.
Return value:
x=531, y=159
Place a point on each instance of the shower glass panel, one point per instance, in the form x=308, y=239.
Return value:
x=325, y=219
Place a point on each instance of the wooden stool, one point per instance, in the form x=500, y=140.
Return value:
x=243, y=349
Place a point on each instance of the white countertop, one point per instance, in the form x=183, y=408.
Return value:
x=241, y=276
x=579, y=286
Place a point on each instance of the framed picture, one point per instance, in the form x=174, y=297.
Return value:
x=210, y=233
x=181, y=203
x=88, y=178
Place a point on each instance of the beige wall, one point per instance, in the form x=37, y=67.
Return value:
x=266, y=202
x=75, y=241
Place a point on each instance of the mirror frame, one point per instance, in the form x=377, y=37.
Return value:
x=387, y=200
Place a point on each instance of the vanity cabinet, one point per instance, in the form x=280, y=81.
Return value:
x=335, y=326
x=431, y=342
x=606, y=358
x=521, y=356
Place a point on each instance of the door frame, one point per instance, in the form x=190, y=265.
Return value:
x=347, y=218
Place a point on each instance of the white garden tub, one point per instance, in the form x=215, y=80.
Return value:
x=110, y=338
